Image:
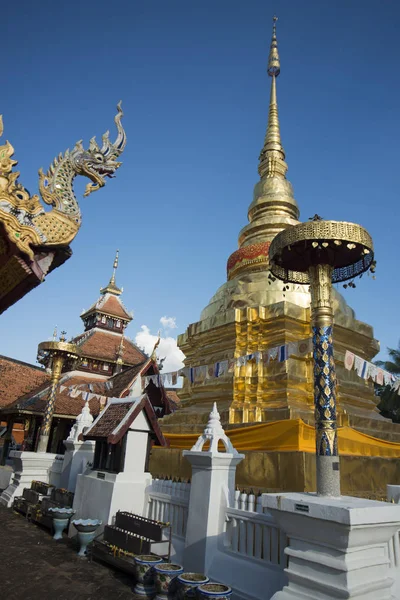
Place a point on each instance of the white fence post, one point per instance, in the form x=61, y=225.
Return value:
x=212, y=491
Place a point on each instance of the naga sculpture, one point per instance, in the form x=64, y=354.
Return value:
x=26, y=222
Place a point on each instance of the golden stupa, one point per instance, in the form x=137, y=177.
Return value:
x=251, y=312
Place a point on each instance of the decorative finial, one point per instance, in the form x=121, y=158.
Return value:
x=274, y=66
x=153, y=354
x=120, y=361
x=115, y=267
x=272, y=156
x=214, y=433
x=63, y=336
x=112, y=287
x=55, y=334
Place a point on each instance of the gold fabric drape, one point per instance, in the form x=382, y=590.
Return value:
x=294, y=436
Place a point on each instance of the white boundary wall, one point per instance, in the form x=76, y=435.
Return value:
x=168, y=501
x=250, y=554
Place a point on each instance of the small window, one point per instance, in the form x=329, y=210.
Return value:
x=118, y=324
x=105, y=367
x=103, y=319
x=109, y=457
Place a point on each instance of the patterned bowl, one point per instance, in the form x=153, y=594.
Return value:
x=187, y=583
x=164, y=574
x=145, y=574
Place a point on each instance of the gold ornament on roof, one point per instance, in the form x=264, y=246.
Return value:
x=153, y=354
x=26, y=222
x=272, y=156
x=112, y=287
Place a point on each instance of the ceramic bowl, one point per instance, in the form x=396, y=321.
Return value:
x=214, y=590
x=60, y=513
x=86, y=525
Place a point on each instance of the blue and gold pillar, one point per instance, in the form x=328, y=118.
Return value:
x=56, y=368
x=54, y=354
x=328, y=473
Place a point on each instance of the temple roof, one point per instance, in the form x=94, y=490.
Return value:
x=104, y=345
x=173, y=398
x=128, y=381
x=18, y=378
x=65, y=405
x=119, y=415
x=123, y=381
x=109, y=304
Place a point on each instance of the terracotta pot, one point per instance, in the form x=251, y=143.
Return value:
x=145, y=574
x=214, y=590
x=164, y=575
x=187, y=583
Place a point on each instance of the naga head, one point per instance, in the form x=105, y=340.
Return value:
x=98, y=163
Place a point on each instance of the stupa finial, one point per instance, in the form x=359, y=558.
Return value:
x=213, y=434
x=272, y=157
x=274, y=66
x=112, y=287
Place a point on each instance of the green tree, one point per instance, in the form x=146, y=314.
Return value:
x=389, y=404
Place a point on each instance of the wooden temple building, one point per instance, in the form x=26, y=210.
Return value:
x=110, y=365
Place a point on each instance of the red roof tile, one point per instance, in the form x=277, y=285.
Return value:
x=18, y=378
x=113, y=306
x=104, y=345
x=109, y=424
x=109, y=420
x=123, y=380
x=35, y=401
x=110, y=305
x=173, y=396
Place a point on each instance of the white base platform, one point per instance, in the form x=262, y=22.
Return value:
x=338, y=546
x=27, y=466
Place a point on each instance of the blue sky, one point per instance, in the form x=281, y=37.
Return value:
x=192, y=78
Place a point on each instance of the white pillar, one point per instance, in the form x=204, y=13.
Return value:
x=76, y=458
x=338, y=547
x=211, y=492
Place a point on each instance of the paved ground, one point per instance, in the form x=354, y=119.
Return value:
x=34, y=566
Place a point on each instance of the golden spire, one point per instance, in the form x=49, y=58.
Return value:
x=273, y=207
x=112, y=287
x=272, y=156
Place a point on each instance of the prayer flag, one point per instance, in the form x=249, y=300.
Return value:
x=349, y=360
x=283, y=353
x=305, y=346
x=361, y=366
x=379, y=376
x=273, y=353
